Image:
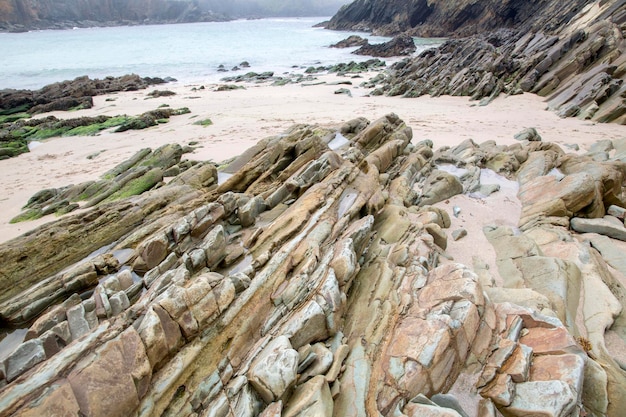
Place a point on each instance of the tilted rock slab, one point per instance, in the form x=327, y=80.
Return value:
x=331, y=294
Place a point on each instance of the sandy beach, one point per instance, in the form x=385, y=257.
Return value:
x=242, y=117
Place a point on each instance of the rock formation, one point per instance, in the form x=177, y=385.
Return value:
x=313, y=276
x=399, y=46
x=21, y=15
x=69, y=94
x=574, y=54
x=442, y=18
x=18, y=105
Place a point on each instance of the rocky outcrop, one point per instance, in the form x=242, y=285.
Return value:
x=316, y=278
x=399, y=46
x=144, y=171
x=350, y=41
x=21, y=15
x=66, y=95
x=443, y=18
x=578, y=66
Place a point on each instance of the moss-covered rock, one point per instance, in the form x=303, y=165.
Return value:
x=138, y=185
x=30, y=214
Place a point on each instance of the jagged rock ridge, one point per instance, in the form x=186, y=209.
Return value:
x=313, y=279
x=441, y=18
x=576, y=60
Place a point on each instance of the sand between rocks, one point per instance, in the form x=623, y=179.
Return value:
x=244, y=116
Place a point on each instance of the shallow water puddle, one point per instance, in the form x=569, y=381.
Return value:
x=347, y=199
x=10, y=342
x=452, y=169
x=222, y=177
x=488, y=176
x=338, y=141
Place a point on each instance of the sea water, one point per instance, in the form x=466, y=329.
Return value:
x=189, y=52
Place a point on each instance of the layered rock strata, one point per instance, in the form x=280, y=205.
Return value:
x=573, y=54
x=315, y=278
x=442, y=18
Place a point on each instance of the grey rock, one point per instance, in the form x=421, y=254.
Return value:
x=529, y=134
x=119, y=302
x=321, y=364
x=448, y=401
x=459, y=234
x=27, y=355
x=274, y=371
x=250, y=210
x=79, y=326
x=439, y=186
x=616, y=211
x=601, y=226
x=111, y=285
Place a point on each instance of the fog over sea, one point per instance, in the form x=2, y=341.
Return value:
x=189, y=52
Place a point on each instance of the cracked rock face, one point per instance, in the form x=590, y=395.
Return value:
x=318, y=279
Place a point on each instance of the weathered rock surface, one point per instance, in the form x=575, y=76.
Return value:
x=572, y=53
x=65, y=95
x=315, y=280
x=350, y=41
x=21, y=15
x=441, y=18
x=400, y=45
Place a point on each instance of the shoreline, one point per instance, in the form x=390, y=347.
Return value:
x=241, y=117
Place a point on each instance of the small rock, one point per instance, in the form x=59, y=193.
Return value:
x=311, y=399
x=321, y=364
x=119, y=302
x=601, y=226
x=546, y=398
x=274, y=371
x=529, y=134
x=77, y=321
x=448, y=401
x=459, y=234
x=616, y=211
x=27, y=355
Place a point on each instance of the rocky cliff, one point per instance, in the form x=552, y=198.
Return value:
x=444, y=18
x=44, y=14
x=574, y=56
x=315, y=276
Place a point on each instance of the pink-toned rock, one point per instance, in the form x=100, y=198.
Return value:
x=546, y=341
x=173, y=301
x=105, y=387
x=518, y=365
x=567, y=368
x=57, y=400
x=201, y=301
x=542, y=398
x=153, y=336
x=501, y=390
x=451, y=282
x=136, y=360
x=155, y=251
